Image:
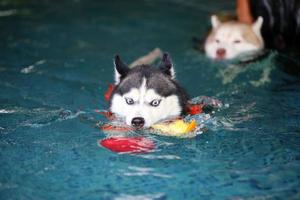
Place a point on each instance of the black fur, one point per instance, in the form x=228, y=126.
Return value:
x=122, y=68
x=166, y=65
x=159, y=79
x=281, y=26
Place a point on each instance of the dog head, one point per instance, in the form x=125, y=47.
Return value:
x=230, y=39
x=145, y=95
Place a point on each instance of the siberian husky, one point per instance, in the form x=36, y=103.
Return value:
x=231, y=39
x=144, y=95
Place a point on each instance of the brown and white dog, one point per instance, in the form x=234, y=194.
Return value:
x=231, y=39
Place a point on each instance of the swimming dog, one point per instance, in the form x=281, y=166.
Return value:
x=144, y=95
x=231, y=39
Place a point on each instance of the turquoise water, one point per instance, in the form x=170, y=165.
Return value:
x=55, y=65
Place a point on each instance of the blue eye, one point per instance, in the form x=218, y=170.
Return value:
x=129, y=101
x=155, y=102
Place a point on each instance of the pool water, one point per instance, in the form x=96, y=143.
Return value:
x=56, y=64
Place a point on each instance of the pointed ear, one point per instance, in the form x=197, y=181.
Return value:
x=256, y=26
x=166, y=66
x=121, y=69
x=215, y=22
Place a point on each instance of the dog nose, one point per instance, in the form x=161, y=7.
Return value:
x=138, y=122
x=221, y=53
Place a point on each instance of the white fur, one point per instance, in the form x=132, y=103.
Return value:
x=224, y=36
x=168, y=107
x=117, y=75
x=173, y=74
x=215, y=21
x=256, y=26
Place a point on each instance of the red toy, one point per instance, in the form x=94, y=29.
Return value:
x=108, y=92
x=109, y=127
x=128, y=144
x=194, y=109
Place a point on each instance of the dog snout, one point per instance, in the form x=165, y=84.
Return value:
x=138, y=122
x=221, y=53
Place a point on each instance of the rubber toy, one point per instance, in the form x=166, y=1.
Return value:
x=128, y=144
x=176, y=128
x=194, y=109
x=108, y=92
x=116, y=128
x=109, y=115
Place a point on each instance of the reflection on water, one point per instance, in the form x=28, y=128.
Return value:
x=56, y=64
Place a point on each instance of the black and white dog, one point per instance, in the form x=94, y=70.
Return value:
x=144, y=95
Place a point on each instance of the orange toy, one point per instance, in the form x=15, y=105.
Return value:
x=175, y=128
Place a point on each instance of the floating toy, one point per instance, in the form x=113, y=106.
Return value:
x=108, y=92
x=109, y=115
x=128, y=144
x=194, y=109
x=116, y=128
x=175, y=128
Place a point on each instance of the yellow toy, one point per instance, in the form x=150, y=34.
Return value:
x=175, y=128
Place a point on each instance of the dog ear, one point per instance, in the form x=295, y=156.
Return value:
x=121, y=69
x=256, y=26
x=166, y=66
x=215, y=22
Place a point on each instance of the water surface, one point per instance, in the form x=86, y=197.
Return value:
x=55, y=65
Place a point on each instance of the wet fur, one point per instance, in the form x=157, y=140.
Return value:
x=224, y=35
x=148, y=81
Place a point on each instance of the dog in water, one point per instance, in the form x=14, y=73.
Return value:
x=144, y=94
x=228, y=40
